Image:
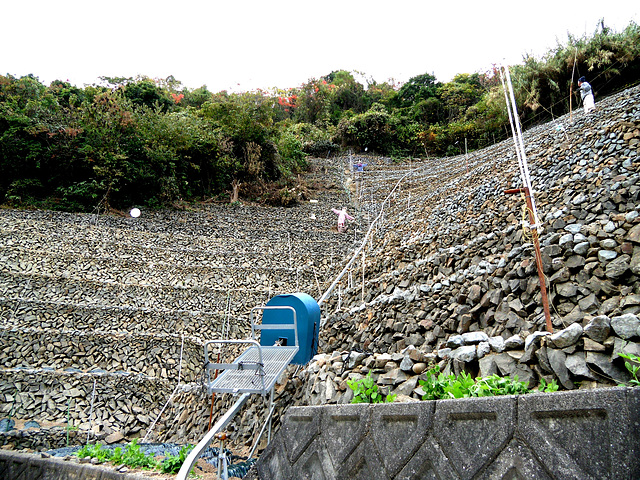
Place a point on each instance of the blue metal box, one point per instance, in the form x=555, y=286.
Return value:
x=308, y=319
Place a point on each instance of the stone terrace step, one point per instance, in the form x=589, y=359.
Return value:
x=151, y=355
x=136, y=272
x=34, y=314
x=121, y=402
x=262, y=255
x=265, y=239
x=162, y=300
x=255, y=222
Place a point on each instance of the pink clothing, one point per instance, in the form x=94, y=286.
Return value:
x=343, y=216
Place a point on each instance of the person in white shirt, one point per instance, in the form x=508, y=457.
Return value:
x=586, y=92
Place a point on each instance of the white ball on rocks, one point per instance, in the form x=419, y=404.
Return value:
x=135, y=212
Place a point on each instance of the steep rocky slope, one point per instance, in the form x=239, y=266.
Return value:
x=103, y=318
x=450, y=275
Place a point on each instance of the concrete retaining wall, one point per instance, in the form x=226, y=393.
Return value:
x=25, y=466
x=568, y=435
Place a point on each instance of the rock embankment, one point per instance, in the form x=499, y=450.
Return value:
x=450, y=278
x=104, y=318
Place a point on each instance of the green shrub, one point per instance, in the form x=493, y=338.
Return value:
x=24, y=191
x=293, y=159
x=365, y=390
x=172, y=463
x=438, y=385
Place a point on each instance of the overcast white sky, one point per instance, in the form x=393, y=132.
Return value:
x=248, y=44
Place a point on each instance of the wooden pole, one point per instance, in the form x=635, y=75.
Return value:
x=575, y=59
x=538, y=253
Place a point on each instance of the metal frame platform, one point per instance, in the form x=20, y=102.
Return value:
x=258, y=368
x=255, y=371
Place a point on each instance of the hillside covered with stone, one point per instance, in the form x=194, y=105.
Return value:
x=450, y=276
x=104, y=318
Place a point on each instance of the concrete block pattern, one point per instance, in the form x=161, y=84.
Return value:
x=472, y=432
x=274, y=463
x=567, y=435
x=578, y=435
x=314, y=464
x=302, y=427
x=400, y=428
x=337, y=419
x=21, y=466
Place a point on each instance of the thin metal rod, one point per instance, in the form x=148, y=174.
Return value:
x=267, y=421
x=273, y=406
x=575, y=59
x=202, y=445
x=363, y=267
x=466, y=155
x=93, y=396
x=224, y=337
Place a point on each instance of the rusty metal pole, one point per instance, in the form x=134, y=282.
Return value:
x=536, y=244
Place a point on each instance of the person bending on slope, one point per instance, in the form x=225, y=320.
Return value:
x=343, y=216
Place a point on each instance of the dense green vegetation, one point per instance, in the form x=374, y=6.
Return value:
x=133, y=456
x=437, y=385
x=138, y=141
x=365, y=390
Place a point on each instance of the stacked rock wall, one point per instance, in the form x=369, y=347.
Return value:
x=104, y=318
x=451, y=277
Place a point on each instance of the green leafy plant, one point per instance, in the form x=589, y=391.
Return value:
x=437, y=385
x=134, y=457
x=633, y=368
x=172, y=463
x=95, y=451
x=460, y=386
x=131, y=456
x=365, y=390
x=496, y=385
x=549, y=387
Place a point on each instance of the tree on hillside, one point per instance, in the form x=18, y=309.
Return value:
x=459, y=94
x=313, y=103
x=417, y=89
x=247, y=121
x=373, y=130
